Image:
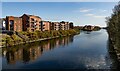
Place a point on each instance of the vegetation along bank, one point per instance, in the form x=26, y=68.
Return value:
x=26, y=37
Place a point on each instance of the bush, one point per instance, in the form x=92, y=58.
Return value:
x=32, y=35
x=39, y=34
x=9, y=41
x=16, y=39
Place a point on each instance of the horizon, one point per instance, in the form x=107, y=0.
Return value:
x=80, y=13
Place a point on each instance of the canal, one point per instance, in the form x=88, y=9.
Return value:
x=88, y=50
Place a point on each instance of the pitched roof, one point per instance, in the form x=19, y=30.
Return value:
x=31, y=15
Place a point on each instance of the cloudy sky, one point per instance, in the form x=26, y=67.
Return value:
x=80, y=13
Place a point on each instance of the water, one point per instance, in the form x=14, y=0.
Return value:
x=88, y=50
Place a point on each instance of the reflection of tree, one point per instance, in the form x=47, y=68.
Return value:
x=71, y=39
x=10, y=57
x=32, y=51
x=26, y=55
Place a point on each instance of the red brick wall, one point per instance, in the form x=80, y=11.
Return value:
x=17, y=23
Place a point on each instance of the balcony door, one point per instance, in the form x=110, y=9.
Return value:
x=11, y=25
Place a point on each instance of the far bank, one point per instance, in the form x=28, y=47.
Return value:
x=17, y=38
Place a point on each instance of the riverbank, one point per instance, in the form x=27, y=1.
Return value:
x=115, y=45
x=28, y=37
x=113, y=29
x=73, y=50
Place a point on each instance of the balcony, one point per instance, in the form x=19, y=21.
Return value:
x=32, y=19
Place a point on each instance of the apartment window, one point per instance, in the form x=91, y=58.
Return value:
x=32, y=19
x=4, y=25
x=11, y=25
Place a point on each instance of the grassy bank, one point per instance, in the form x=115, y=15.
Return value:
x=14, y=39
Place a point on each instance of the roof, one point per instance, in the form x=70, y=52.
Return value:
x=13, y=16
x=31, y=15
x=45, y=21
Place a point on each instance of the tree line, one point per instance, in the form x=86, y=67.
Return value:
x=113, y=27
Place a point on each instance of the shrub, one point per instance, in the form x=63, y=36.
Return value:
x=9, y=40
x=16, y=39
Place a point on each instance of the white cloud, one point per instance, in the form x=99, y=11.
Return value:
x=89, y=14
x=95, y=16
x=103, y=10
x=85, y=10
x=99, y=16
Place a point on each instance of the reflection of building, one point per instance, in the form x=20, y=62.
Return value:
x=31, y=53
x=66, y=40
x=63, y=41
x=35, y=53
x=31, y=22
x=13, y=56
x=57, y=43
x=23, y=54
x=13, y=23
x=46, y=47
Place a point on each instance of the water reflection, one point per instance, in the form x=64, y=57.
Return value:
x=30, y=52
x=87, y=32
x=87, y=51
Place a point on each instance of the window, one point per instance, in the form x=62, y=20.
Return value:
x=11, y=25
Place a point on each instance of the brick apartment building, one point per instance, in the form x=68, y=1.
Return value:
x=2, y=24
x=56, y=25
x=31, y=22
x=13, y=23
x=64, y=25
x=71, y=25
x=46, y=25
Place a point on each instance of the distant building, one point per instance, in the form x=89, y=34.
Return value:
x=56, y=25
x=52, y=26
x=71, y=25
x=46, y=25
x=64, y=25
x=13, y=23
x=2, y=24
x=31, y=22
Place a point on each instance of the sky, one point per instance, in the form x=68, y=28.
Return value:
x=60, y=0
x=80, y=13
